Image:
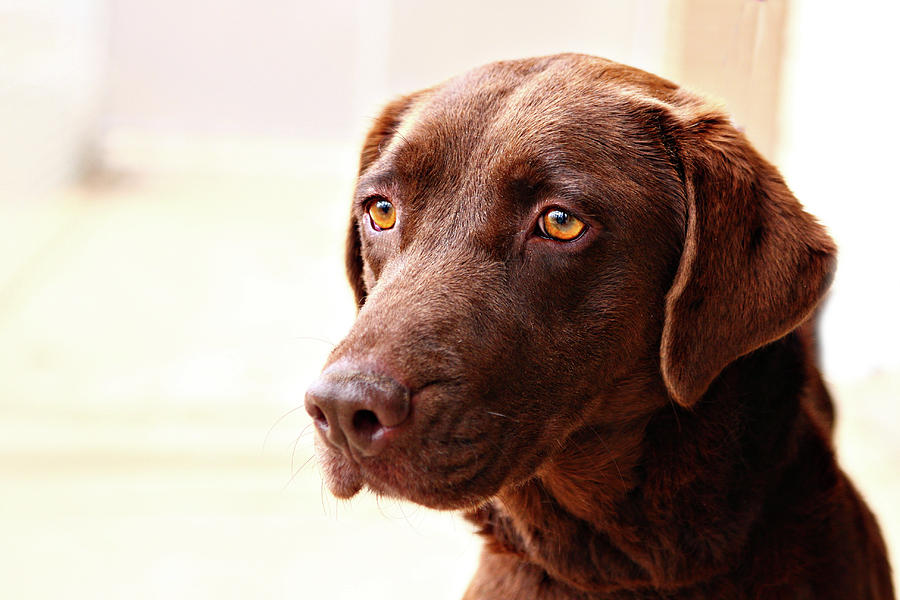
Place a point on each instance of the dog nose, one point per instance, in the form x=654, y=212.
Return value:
x=357, y=411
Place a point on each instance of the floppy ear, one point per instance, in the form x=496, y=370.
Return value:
x=754, y=264
x=353, y=262
x=379, y=136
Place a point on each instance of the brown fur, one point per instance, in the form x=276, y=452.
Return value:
x=634, y=414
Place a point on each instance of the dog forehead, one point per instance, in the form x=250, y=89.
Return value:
x=501, y=101
x=561, y=108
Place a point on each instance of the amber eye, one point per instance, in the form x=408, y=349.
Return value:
x=559, y=225
x=382, y=213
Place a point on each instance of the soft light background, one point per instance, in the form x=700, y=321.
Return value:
x=174, y=181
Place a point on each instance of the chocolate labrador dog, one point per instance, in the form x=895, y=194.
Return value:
x=586, y=319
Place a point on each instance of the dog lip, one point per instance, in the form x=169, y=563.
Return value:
x=386, y=433
x=350, y=452
x=344, y=478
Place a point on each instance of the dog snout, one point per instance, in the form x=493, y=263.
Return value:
x=358, y=411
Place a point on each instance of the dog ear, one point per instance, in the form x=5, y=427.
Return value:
x=354, y=264
x=754, y=264
x=379, y=136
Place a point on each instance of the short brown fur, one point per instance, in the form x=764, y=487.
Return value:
x=637, y=413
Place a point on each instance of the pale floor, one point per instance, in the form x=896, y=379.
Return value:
x=153, y=333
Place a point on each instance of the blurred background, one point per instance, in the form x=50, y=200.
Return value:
x=175, y=177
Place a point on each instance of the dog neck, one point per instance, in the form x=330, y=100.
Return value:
x=670, y=501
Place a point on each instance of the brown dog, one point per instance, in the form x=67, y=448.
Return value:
x=586, y=319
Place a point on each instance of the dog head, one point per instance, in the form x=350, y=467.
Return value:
x=542, y=244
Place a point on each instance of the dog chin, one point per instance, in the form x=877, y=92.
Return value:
x=342, y=478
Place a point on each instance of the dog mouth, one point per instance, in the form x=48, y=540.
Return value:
x=452, y=451
x=343, y=477
x=440, y=473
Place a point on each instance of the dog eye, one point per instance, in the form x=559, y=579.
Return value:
x=560, y=225
x=381, y=213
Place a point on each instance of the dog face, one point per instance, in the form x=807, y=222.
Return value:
x=530, y=249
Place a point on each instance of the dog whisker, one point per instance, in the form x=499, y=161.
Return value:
x=496, y=414
x=277, y=421
x=314, y=339
x=295, y=473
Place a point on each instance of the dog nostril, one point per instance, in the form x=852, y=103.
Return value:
x=366, y=423
x=358, y=413
x=320, y=419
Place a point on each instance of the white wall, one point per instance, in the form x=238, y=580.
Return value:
x=839, y=154
x=308, y=70
x=51, y=67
